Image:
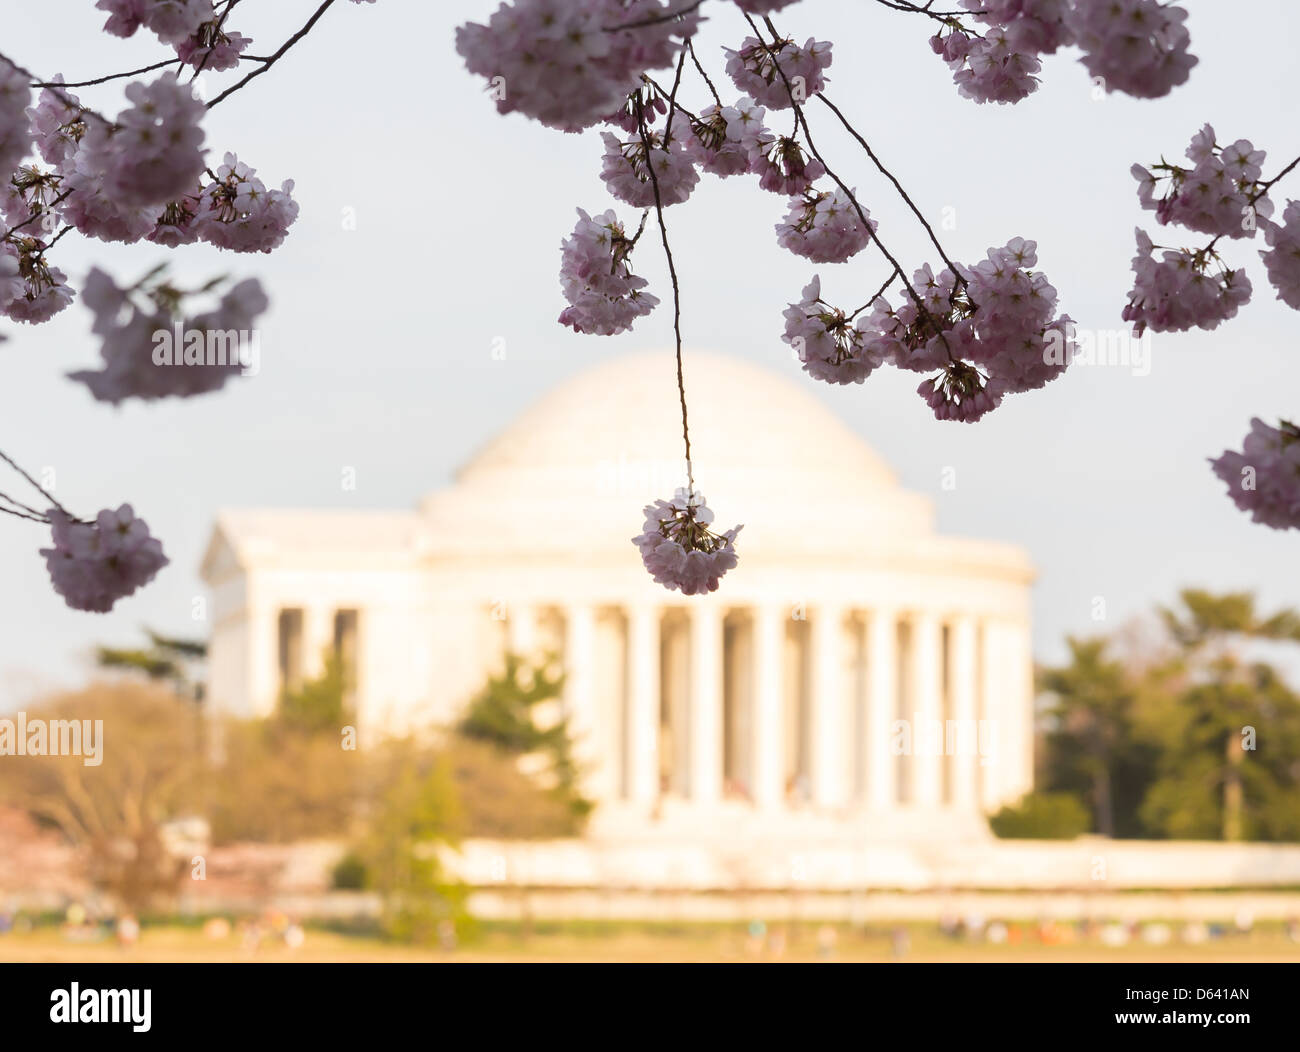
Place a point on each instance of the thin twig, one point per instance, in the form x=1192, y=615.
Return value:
x=273, y=59
x=677, y=293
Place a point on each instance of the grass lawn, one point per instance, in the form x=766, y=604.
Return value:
x=630, y=942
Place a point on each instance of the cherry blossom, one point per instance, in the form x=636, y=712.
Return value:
x=1221, y=195
x=678, y=548
x=238, y=213
x=626, y=172
x=824, y=227
x=783, y=167
x=212, y=48
x=987, y=68
x=604, y=296
x=1136, y=46
x=1282, y=258
x=564, y=62
x=1264, y=478
x=709, y=142
x=1183, y=289
x=170, y=20
x=756, y=69
x=44, y=290
x=204, y=349
x=154, y=153
x=94, y=564
x=15, y=129
x=831, y=347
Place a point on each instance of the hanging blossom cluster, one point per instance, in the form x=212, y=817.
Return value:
x=596, y=276
x=142, y=175
x=94, y=564
x=761, y=71
x=1264, y=478
x=976, y=333
x=679, y=549
x=566, y=63
x=1139, y=47
x=980, y=333
x=1222, y=195
x=137, y=325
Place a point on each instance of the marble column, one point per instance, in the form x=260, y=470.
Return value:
x=521, y=630
x=882, y=695
x=830, y=716
x=643, y=703
x=963, y=758
x=704, y=749
x=993, y=733
x=317, y=639
x=579, y=683
x=926, y=789
x=769, y=644
x=262, y=623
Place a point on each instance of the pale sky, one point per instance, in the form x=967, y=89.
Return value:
x=377, y=352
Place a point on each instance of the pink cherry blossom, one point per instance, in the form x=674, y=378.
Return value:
x=626, y=172
x=680, y=550
x=756, y=69
x=831, y=347
x=44, y=289
x=1221, y=195
x=783, y=167
x=1135, y=46
x=238, y=213
x=1282, y=258
x=94, y=564
x=15, y=128
x=988, y=68
x=170, y=20
x=566, y=63
x=708, y=141
x=205, y=349
x=211, y=48
x=155, y=152
x=604, y=296
x=1264, y=478
x=1182, y=290
x=824, y=227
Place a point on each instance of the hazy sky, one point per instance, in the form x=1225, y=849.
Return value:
x=377, y=353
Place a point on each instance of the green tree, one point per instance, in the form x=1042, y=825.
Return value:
x=176, y=662
x=1091, y=747
x=318, y=706
x=1047, y=816
x=505, y=713
x=413, y=814
x=1230, y=732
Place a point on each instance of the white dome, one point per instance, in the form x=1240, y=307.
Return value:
x=594, y=450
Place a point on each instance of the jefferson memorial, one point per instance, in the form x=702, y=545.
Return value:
x=857, y=677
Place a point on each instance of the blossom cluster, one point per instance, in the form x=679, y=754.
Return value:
x=1139, y=47
x=678, y=548
x=1264, y=478
x=205, y=350
x=825, y=227
x=981, y=333
x=567, y=63
x=604, y=296
x=94, y=564
x=1221, y=195
x=771, y=73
